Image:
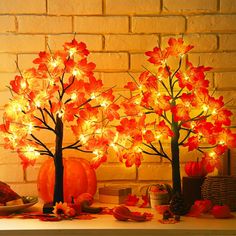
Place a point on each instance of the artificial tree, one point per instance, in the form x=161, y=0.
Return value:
x=173, y=107
x=61, y=91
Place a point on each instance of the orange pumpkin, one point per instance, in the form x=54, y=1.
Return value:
x=196, y=169
x=79, y=178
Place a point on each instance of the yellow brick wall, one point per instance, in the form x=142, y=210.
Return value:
x=117, y=32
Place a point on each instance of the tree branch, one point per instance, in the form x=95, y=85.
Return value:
x=180, y=63
x=50, y=115
x=182, y=142
x=43, y=145
x=163, y=152
x=45, y=124
x=162, y=83
x=72, y=145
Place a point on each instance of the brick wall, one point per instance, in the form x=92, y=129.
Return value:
x=117, y=32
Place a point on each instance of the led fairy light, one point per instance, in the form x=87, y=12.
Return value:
x=30, y=152
x=77, y=72
x=72, y=51
x=158, y=135
x=205, y=107
x=73, y=96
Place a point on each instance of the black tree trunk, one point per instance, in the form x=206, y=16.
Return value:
x=176, y=180
x=58, y=162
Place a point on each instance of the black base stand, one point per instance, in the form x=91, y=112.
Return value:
x=48, y=208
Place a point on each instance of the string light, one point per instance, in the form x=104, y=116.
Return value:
x=114, y=146
x=30, y=152
x=93, y=96
x=83, y=139
x=214, y=112
x=222, y=142
x=187, y=104
x=54, y=63
x=98, y=153
x=61, y=113
x=186, y=78
x=137, y=149
x=104, y=103
x=205, y=107
x=37, y=103
x=193, y=124
x=23, y=84
x=158, y=135
x=212, y=154
x=73, y=96
x=140, y=87
x=30, y=128
x=76, y=72
x=72, y=51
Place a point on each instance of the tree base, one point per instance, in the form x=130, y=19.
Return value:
x=48, y=208
x=192, y=189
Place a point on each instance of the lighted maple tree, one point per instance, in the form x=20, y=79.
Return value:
x=61, y=91
x=170, y=108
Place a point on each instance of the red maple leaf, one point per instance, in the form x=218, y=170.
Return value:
x=180, y=112
x=161, y=104
x=42, y=59
x=131, y=86
x=85, y=67
x=94, y=85
x=149, y=81
x=127, y=126
x=193, y=77
x=222, y=117
x=189, y=99
x=205, y=130
x=192, y=143
x=177, y=47
x=70, y=111
x=73, y=85
x=132, y=158
x=111, y=112
x=108, y=95
x=97, y=161
x=75, y=47
x=164, y=130
x=157, y=56
x=149, y=136
x=131, y=109
x=147, y=99
x=19, y=84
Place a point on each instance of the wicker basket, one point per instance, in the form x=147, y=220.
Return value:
x=220, y=189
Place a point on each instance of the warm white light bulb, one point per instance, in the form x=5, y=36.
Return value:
x=205, y=107
x=73, y=96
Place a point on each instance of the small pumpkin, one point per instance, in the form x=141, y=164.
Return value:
x=221, y=212
x=196, y=169
x=79, y=178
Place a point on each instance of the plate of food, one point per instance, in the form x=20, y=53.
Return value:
x=11, y=202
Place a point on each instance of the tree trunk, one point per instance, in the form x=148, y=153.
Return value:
x=58, y=162
x=176, y=180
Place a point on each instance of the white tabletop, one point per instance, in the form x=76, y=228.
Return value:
x=107, y=225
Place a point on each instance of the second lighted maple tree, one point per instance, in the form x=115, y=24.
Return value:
x=171, y=108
